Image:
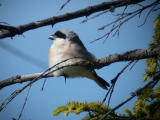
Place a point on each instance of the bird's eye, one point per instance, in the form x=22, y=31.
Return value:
x=60, y=34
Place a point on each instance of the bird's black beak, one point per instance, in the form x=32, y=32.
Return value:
x=52, y=37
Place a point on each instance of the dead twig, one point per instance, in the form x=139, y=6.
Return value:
x=64, y=4
x=124, y=17
x=113, y=81
x=97, y=15
x=134, y=94
x=149, y=12
x=133, y=65
x=24, y=104
x=43, y=84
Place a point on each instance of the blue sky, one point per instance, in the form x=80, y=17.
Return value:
x=35, y=43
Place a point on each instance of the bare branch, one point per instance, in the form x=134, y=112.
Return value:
x=64, y=4
x=24, y=104
x=124, y=17
x=113, y=81
x=127, y=56
x=65, y=17
x=138, y=92
x=43, y=84
x=20, y=79
x=99, y=63
x=151, y=10
x=97, y=15
x=133, y=65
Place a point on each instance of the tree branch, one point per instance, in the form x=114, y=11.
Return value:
x=12, y=31
x=64, y=4
x=125, y=17
x=127, y=56
x=99, y=63
x=20, y=79
x=138, y=92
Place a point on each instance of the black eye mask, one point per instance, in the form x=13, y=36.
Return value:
x=60, y=35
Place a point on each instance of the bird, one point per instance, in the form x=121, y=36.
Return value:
x=66, y=49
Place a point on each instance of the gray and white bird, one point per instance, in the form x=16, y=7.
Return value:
x=67, y=45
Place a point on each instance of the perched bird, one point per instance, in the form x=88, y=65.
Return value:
x=67, y=46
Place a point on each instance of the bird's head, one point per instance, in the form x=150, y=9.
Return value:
x=66, y=35
x=63, y=34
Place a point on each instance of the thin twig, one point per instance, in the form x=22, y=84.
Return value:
x=114, y=27
x=110, y=95
x=97, y=15
x=115, y=108
x=133, y=65
x=24, y=104
x=113, y=81
x=121, y=15
x=123, y=18
x=135, y=93
x=151, y=10
x=64, y=4
x=104, y=99
x=43, y=84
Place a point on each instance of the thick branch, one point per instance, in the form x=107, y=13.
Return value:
x=99, y=63
x=64, y=17
x=20, y=79
x=127, y=56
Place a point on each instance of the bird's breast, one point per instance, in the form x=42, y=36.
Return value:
x=63, y=53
